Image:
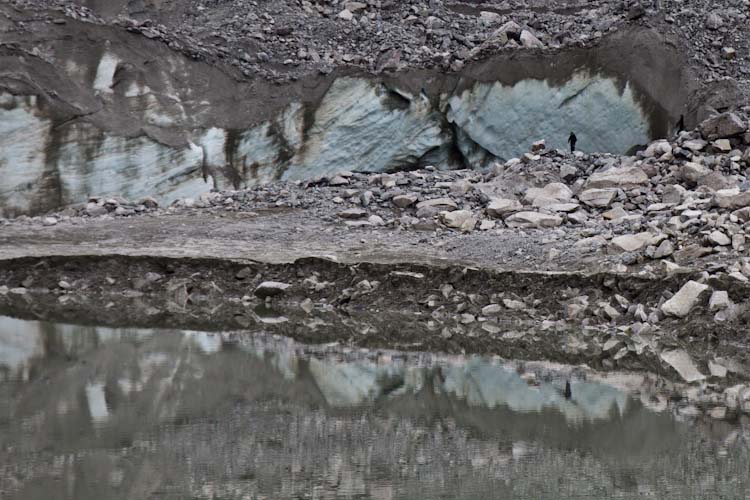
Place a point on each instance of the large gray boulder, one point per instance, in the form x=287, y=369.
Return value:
x=533, y=220
x=732, y=199
x=597, y=197
x=623, y=178
x=723, y=125
x=500, y=207
x=463, y=220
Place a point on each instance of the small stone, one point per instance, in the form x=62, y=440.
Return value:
x=355, y=6
x=722, y=145
x=244, y=273
x=684, y=300
x=271, y=289
x=694, y=145
x=719, y=301
x=556, y=191
x=665, y=249
x=353, y=213
x=376, y=220
x=722, y=125
x=738, y=242
x=491, y=310
x=500, y=207
x=680, y=360
x=568, y=172
x=732, y=199
x=488, y=17
x=467, y=319
x=714, y=21
x=615, y=213
x=487, y=225
x=597, y=197
x=728, y=53
x=611, y=344
x=149, y=203
x=94, y=210
x=622, y=178
x=718, y=238
x=438, y=203
x=529, y=41
x=463, y=220
x=307, y=305
x=516, y=305
x=611, y=312
x=346, y=15
x=533, y=220
x=338, y=180
x=404, y=200
x=658, y=149
x=632, y=242
x=693, y=172
x=674, y=194
x=49, y=221
x=717, y=370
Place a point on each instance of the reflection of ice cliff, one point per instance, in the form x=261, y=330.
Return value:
x=477, y=381
x=343, y=380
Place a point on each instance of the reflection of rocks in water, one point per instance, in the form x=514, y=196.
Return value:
x=119, y=413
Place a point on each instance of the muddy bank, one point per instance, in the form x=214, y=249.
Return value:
x=379, y=306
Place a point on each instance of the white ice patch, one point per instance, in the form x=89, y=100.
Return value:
x=361, y=125
x=135, y=89
x=259, y=150
x=209, y=343
x=479, y=382
x=506, y=120
x=131, y=167
x=97, y=402
x=212, y=142
x=105, y=73
x=20, y=342
x=23, y=137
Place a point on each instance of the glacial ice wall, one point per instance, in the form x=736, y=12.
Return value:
x=505, y=120
x=359, y=123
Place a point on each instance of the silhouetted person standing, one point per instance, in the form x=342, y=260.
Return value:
x=681, y=124
x=568, y=392
x=572, y=139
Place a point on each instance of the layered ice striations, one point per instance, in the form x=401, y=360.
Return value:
x=359, y=124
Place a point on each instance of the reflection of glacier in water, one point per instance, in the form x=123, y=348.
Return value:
x=342, y=381
x=116, y=413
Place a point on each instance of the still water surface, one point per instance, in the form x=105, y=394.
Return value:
x=102, y=413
